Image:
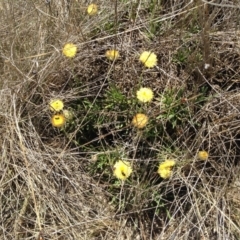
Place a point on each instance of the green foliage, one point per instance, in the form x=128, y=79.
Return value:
x=181, y=56
x=102, y=163
x=114, y=98
x=168, y=152
x=155, y=27
x=101, y=169
x=174, y=108
x=194, y=27
x=202, y=96
x=109, y=27
x=94, y=114
x=159, y=204
x=189, y=55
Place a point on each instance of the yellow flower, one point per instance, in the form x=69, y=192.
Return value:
x=92, y=9
x=149, y=59
x=69, y=50
x=122, y=169
x=145, y=94
x=58, y=120
x=112, y=54
x=165, y=168
x=203, y=155
x=56, y=105
x=140, y=120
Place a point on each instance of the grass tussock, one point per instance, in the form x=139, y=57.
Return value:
x=117, y=156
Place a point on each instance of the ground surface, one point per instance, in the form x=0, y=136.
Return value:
x=58, y=183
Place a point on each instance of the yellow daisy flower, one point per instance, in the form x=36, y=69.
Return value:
x=145, y=94
x=56, y=105
x=140, y=120
x=58, y=120
x=69, y=50
x=203, y=155
x=149, y=59
x=165, y=168
x=92, y=9
x=122, y=169
x=112, y=54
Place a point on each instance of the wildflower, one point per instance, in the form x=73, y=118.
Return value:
x=92, y=9
x=69, y=50
x=112, y=54
x=165, y=168
x=140, y=120
x=122, y=169
x=203, y=155
x=145, y=94
x=68, y=114
x=149, y=59
x=58, y=120
x=56, y=105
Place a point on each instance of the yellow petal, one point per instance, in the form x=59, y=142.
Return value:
x=58, y=120
x=165, y=168
x=69, y=50
x=149, y=59
x=122, y=169
x=112, y=54
x=203, y=155
x=56, y=105
x=145, y=95
x=92, y=9
x=140, y=120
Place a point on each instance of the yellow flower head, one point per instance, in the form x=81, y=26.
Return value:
x=149, y=59
x=56, y=105
x=92, y=9
x=58, y=120
x=203, y=155
x=69, y=50
x=122, y=169
x=165, y=168
x=140, y=120
x=112, y=54
x=145, y=94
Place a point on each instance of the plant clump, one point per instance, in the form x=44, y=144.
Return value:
x=94, y=126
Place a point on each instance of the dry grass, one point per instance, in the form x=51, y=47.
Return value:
x=58, y=184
